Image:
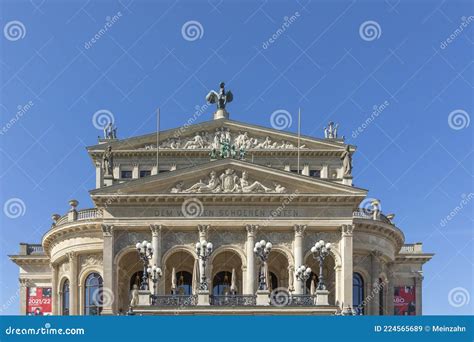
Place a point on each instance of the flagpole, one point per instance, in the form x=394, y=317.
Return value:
x=299, y=135
x=157, y=140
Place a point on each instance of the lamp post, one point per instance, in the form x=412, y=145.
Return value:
x=262, y=249
x=155, y=277
x=320, y=251
x=303, y=273
x=203, y=251
x=145, y=252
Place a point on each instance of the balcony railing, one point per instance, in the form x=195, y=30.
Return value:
x=34, y=249
x=175, y=300
x=234, y=300
x=369, y=214
x=81, y=215
x=284, y=299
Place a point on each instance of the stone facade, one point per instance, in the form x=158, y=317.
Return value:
x=232, y=202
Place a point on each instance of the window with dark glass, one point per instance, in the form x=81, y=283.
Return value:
x=145, y=173
x=295, y=171
x=358, y=294
x=93, y=295
x=65, y=298
x=315, y=173
x=125, y=174
x=381, y=297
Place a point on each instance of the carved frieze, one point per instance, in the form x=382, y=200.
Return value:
x=228, y=182
x=91, y=260
x=213, y=140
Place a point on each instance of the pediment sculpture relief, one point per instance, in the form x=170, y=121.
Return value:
x=214, y=140
x=228, y=182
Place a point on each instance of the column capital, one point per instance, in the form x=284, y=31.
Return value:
x=299, y=229
x=347, y=229
x=71, y=256
x=107, y=230
x=155, y=229
x=24, y=282
x=203, y=228
x=251, y=229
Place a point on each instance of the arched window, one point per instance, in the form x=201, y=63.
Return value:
x=93, y=295
x=221, y=283
x=184, y=283
x=358, y=294
x=381, y=297
x=65, y=298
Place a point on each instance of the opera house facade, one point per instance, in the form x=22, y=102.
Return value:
x=222, y=217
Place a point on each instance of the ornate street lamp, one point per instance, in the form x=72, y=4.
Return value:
x=145, y=252
x=320, y=251
x=303, y=273
x=262, y=249
x=156, y=274
x=203, y=251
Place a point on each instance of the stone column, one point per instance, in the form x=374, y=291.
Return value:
x=390, y=286
x=347, y=269
x=23, y=294
x=156, y=244
x=108, y=270
x=305, y=171
x=203, y=296
x=298, y=254
x=418, y=294
x=54, y=289
x=156, y=260
x=73, y=286
x=250, y=274
x=374, y=275
x=135, y=171
x=325, y=171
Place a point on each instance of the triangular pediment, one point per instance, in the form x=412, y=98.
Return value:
x=228, y=177
x=204, y=136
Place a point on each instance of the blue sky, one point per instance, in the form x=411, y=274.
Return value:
x=416, y=156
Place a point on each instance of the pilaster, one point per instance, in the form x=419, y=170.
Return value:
x=347, y=267
x=108, y=271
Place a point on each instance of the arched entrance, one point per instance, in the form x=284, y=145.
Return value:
x=183, y=263
x=129, y=272
x=277, y=270
x=329, y=274
x=226, y=273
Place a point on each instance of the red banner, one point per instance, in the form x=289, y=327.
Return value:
x=38, y=301
x=404, y=301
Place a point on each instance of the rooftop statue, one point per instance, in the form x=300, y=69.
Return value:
x=330, y=132
x=221, y=98
x=110, y=131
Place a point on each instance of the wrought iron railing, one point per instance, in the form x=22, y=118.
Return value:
x=175, y=300
x=285, y=299
x=234, y=300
